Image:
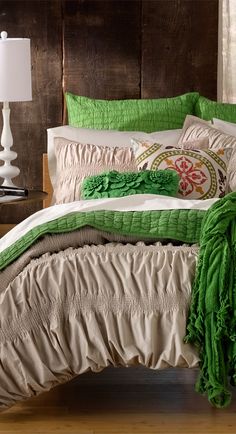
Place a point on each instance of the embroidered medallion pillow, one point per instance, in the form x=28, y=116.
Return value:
x=217, y=140
x=202, y=172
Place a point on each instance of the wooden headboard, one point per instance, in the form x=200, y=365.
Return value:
x=80, y=46
x=47, y=186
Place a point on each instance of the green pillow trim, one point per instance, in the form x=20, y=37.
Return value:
x=207, y=109
x=146, y=115
x=116, y=184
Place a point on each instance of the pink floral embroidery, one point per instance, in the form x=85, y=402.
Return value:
x=192, y=178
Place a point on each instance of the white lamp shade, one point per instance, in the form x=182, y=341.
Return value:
x=15, y=70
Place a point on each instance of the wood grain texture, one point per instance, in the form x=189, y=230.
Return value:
x=41, y=21
x=164, y=407
x=4, y=228
x=179, y=47
x=102, y=48
x=47, y=186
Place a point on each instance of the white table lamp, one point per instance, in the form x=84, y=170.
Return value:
x=15, y=85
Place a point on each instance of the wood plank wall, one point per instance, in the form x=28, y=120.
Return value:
x=41, y=21
x=104, y=49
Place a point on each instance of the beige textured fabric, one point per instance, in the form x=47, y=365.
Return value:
x=92, y=307
x=190, y=119
x=195, y=144
x=56, y=242
x=217, y=140
x=191, y=144
x=75, y=161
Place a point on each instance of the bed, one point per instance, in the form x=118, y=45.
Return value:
x=107, y=282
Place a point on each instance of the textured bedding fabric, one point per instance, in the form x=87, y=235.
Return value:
x=116, y=184
x=217, y=140
x=178, y=225
x=91, y=307
x=56, y=242
x=131, y=114
x=76, y=161
x=179, y=219
x=212, y=320
x=207, y=109
x=202, y=173
x=110, y=138
x=138, y=202
x=67, y=307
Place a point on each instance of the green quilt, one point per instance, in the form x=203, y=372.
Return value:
x=180, y=225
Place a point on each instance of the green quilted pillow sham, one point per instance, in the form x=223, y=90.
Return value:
x=146, y=115
x=117, y=184
x=207, y=109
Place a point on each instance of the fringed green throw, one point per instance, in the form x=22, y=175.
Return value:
x=212, y=321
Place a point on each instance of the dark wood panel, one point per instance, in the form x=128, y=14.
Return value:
x=179, y=47
x=41, y=21
x=102, y=48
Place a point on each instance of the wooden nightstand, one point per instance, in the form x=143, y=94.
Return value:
x=33, y=196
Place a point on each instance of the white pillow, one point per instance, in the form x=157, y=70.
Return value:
x=225, y=127
x=102, y=138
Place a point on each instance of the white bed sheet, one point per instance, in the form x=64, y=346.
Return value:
x=138, y=202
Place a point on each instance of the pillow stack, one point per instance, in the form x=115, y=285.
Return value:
x=100, y=134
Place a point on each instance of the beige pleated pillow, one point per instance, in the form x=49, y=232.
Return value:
x=194, y=144
x=199, y=129
x=76, y=161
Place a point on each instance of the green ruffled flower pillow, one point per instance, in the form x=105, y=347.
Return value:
x=117, y=184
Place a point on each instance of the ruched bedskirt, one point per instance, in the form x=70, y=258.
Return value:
x=91, y=307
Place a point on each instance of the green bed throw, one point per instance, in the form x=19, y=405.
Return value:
x=212, y=319
x=180, y=225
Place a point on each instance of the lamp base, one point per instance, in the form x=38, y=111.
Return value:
x=7, y=171
x=8, y=182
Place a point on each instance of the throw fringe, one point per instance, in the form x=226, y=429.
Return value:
x=212, y=318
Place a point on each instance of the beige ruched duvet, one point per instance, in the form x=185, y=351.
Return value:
x=90, y=307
